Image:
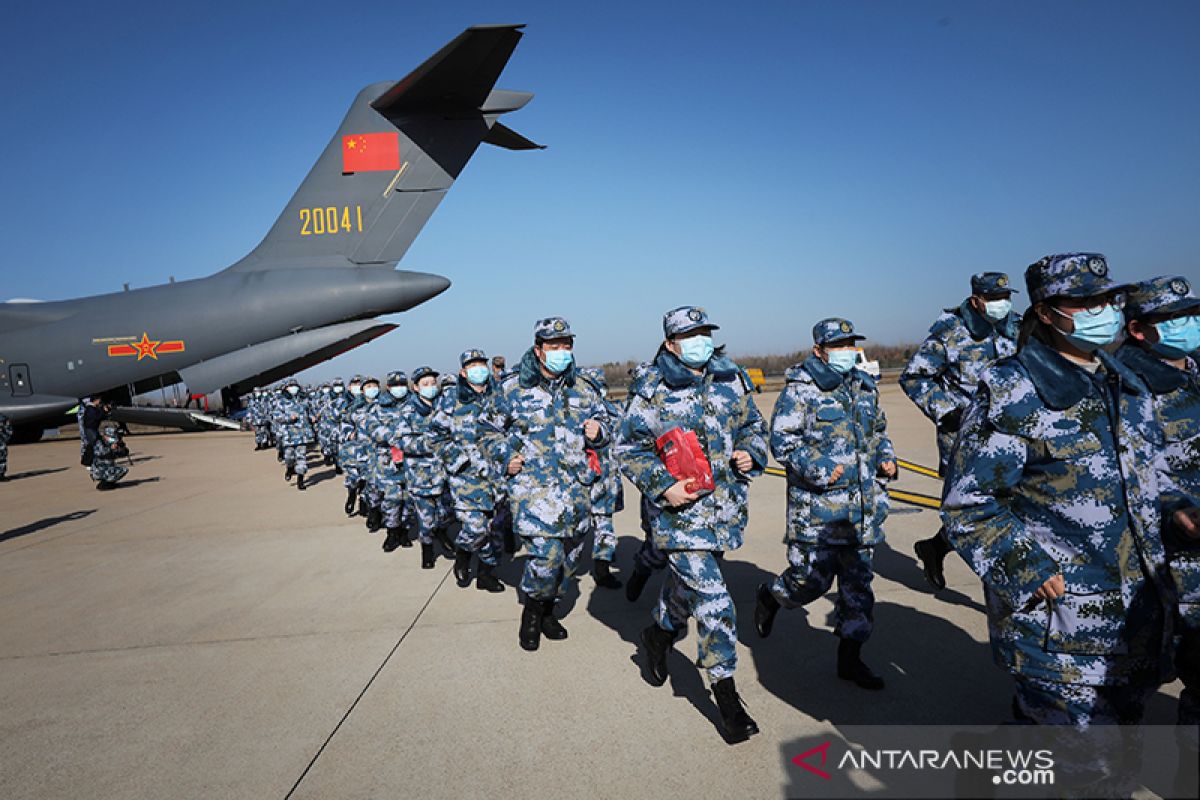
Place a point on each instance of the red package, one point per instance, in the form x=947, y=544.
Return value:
x=684, y=458
x=397, y=455
x=594, y=461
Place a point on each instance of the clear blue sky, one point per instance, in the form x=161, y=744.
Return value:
x=774, y=162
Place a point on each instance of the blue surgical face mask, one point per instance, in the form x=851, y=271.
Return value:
x=842, y=360
x=997, y=309
x=355, y=390
x=1094, y=329
x=293, y=390
x=695, y=351
x=429, y=392
x=557, y=361
x=478, y=375
x=338, y=389
x=397, y=391
x=371, y=392
x=1177, y=338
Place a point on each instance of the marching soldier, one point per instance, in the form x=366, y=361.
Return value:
x=550, y=415
x=1163, y=337
x=693, y=389
x=463, y=433
x=352, y=451
x=1053, y=498
x=829, y=432
x=295, y=431
x=942, y=375
x=388, y=423
x=424, y=475
x=608, y=495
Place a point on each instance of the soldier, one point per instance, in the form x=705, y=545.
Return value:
x=424, y=475
x=1163, y=337
x=106, y=449
x=351, y=451
x=370, y=496
x=608, y=495
x=387, y=423
x=693, y=389
x=942, y=375
x=331, y=420
x=831, y=435
x=295, y=431
x=550, y=415
x=499, y=369
x=1052, y=498
x=6, y=430
x=463, y=433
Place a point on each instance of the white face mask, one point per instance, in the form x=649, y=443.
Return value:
x=997, y=309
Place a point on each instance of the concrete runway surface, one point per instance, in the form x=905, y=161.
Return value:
x=208, y=631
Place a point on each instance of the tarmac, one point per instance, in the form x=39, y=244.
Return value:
x=206, y=630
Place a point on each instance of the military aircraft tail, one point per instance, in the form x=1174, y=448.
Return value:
x=394, y=157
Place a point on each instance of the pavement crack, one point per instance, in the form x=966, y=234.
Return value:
x=370, y=682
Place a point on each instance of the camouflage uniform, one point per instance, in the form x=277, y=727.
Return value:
x=718, y=406
x=824, y=420
x=607, y=493
x=295, y=430
x=424, y=474
x=385, y=480
x=352, y=451
x=1176, y=398
x=941, y=376
x=331, y=422
x=543, y=419
x=106, y=449
x=1054, y=473
x=6, y=431
x=464, y=432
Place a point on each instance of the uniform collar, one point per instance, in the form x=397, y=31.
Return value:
x=981, y=327
x=676, y=375
x=824, y=376
x=1160, y=378
x=531, y=372
x=1060, y=384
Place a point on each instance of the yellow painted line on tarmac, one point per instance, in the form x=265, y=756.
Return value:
x=917, y=468
x=912, y=498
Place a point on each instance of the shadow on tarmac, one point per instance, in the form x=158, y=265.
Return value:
x=33, y=473
x=42, y=524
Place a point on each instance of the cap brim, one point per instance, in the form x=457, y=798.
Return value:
x=696, y=327
x=1182, y=304
x=854, y=337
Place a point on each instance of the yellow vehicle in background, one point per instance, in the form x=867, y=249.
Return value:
x=757, y=378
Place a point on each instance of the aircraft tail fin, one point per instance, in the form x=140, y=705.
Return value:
x=396, y=154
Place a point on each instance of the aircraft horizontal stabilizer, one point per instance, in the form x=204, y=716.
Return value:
x=504, y=136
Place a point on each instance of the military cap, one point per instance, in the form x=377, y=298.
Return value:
x=397, y=378
x=449, y=380
x=423, y=372
x=337, y=382
x=834, y=329
x=684, y=319
x=1069, y=275
x=990, y=283
x=369, y=379
x=291, y=382
x=357, y=379
x=471, y=355
x=552, y=328
x=1164, y=295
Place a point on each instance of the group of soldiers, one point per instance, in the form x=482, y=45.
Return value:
x=1069, y=441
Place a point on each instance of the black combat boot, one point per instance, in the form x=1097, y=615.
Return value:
x=850, y=666
x=374, y=518
x=462, y=567
x=486, y=580
x=657, y=644
x=551, y=627
x=363, y=508
x=351, y=499
x=637, y=582
x=531, y=624
x=737, y=723
x=392, y=541
x=428, y=556
x=406, y=539
x=104, y=486
x=289, y=472
x=765, y=611
x=337, y=468
x=932, y=553
x=300, y=482
x=443, y=535
x=601, y=571
x=329, y=461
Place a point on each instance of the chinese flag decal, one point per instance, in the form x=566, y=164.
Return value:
x=370, y=152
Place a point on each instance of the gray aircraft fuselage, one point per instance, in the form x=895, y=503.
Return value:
x=313, y=287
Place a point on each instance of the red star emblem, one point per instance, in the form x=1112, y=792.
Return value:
x=146, y=347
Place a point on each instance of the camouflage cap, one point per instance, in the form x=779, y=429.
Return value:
x=397, y=378
x=684, y=319
x=471, y=355
x=991, y=283
x=552, y=328
x=423, y=372
x=834, y=329
x=369, y=379
x=449, y=380
x=357, y=379
x=337, y=382
x=1163, y=295
x=291, y=382
x=1069, y=275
